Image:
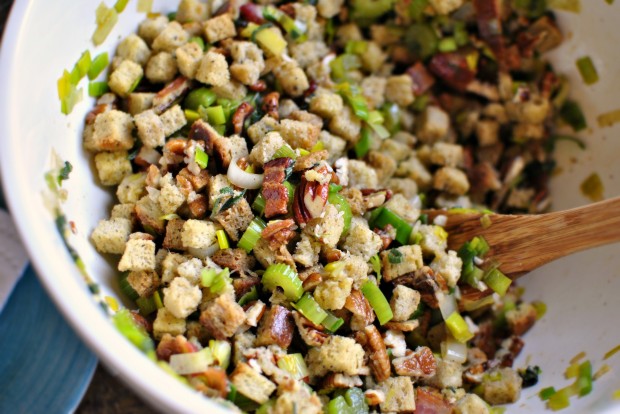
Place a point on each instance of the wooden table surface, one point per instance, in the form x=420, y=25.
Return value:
x=105, y=395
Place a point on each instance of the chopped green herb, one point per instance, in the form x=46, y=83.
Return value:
x=395, y=256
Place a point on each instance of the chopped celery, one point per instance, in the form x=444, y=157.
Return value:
x=447, y=44
x=497, y=281
x=127, y=326
x=96, y=89
x=198, y=40
x=222, y=239
x=458, y=327
x=332, y=322
x=356, y=47
x=285, y=151
x=106, y=19
x=571, y=113
x=363, y=145
x=221, y=351
x=147, y=305
x=365, y=11
x=251, y=235
x=284, y=277
x=216, y=115
x=251, y=296
x=378, y=302
x=587, y=70
x=201, y=158
x=98, y=64
x=204, y=97
x=546, y=393
x=311, y=310
x=120, y=5
x=342, y=205
x=422, y=40
x=382, y=216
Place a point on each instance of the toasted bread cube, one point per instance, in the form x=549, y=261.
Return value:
x=266, y=148
x=173, y=239
x=448, y=374
x=399, y=395
x=373, y=89
x=198, y=234
x=221, y=317
x=167, y=323
x=329, y=8
x=326, y=104
x=172, y=37
x=333, y=144
x=173, y=120
x=373, y=59
x=220, y=28
x=501, y=386
x=332, y=294
x=252, y=384
x=192, y=11
x=346, y=125
x=231, y=90
x=213, y=69
x=292, y=78
x=487, y=132
x=150, y=129
x=145, y=282
x=361, y=175
x=170, y=197
x=138, y=102
x=150, y=28
x=112, y=167
x=404, y=186
x=248, y=62
x=446, y=6
x=433, y=125
x=150, y=215
x=188, y=59
x=131, y=189
x=445, y=154
x=134, y=48
x=449, y=266
x=400, y=261
x=414, y=169
x=299, y=134
x=182, y=298
x=161, y=68
x=236, y=219
x=170, y=265
x=451, y=180
x=327, y=228
x=260, y=129
x=123, y=211
x=307, y=251
x=399, y=89
x=110, y=236
x=402, y=206
x=111, y=132
x=404, y=302
x=470, y=404
x=125, y=77
x=231, y=148
x=361, y=241
x=338, y=354
x=138, y=255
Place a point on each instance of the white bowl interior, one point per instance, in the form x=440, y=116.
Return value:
x=41, y=41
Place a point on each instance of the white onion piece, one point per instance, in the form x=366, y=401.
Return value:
x=243, y=179
x=204, y=252
x=453, y=350
x=441, y=220
x=447, y=304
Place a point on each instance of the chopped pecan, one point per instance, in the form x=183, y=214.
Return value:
x=213, y=382
x=334, y=381
x=279, y=233
x=312, y=282
x=372, y=341
x=271, y=104
x=170, y=93
x=511, y=348
x=310, y=198
x=276, y=328
x=254, y=313
x=418, y=364
x=237, y=260
x=275, y=193
x=406, y=326
x=141, y=321
x=259, y=86
x=374, y=397
x=171, y=345
x=430, y=401
x=358, y=305
x=330, y=254
x=176, y=146
x=374, y=198
x=453, y=69
x=198, y=206
x=308, y=161
x=284, y=256
x=425, y=281
x=243, y=111
x=421, y=77
x=388, y=234
x=311, y=334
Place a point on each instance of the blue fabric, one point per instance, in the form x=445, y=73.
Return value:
x=44, y=366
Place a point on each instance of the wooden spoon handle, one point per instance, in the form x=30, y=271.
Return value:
x=521, y=243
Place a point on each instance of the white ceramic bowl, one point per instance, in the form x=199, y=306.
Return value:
x=43, y=38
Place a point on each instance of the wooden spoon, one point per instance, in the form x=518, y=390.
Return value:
x=521, y=243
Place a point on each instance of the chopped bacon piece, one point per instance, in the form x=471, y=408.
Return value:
x=276, y=328
x=275, y=193
x=421, y=77
x=358, y=305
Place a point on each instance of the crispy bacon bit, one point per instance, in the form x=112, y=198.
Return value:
x=311, y=334
x=430, y=401
x=312, y=281
x=237, y=260
x=259, y=86
x=213, y=382
x=276, y=328
x=453, y=69
x=418, y=364
x=388, y=234
x=243, y=284
x=372, y=341
x=243, y=111
x=170, y=345
x=358, y=305
x=421, y=77
x=252, y=13
x=426, y=281
x=275, y=193
x=271, y=104
x=279, y=233
x=170, y=93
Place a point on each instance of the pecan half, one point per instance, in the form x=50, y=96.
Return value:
x=202, y=131
x=418, y=364
x=310, y=198
x=358, y=305
x=243, y=284
x=279, y=233
x=276, y=328
x=429, y=400
x=311, y=334
x=271, y=104
x=372, y=341
x=170, y=93
x=243, y=111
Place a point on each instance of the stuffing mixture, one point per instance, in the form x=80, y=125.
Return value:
x=272, y=162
